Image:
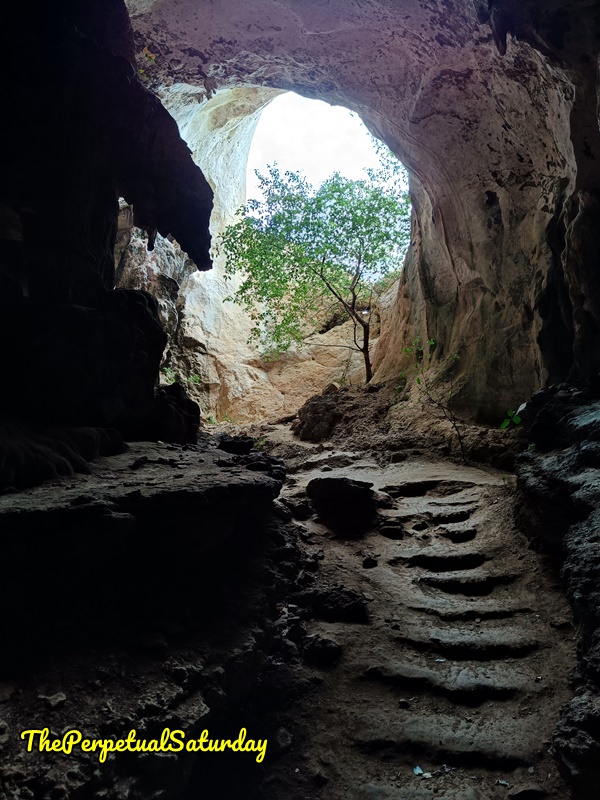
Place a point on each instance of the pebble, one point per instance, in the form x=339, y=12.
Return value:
x=53, y=700
x=283, y=740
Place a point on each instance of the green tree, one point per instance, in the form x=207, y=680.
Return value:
x=303, y=252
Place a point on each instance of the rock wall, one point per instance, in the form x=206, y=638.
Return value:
x=559, y=506
x=491, y=105
x=78, y=353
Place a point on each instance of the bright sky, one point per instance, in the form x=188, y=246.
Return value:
x=312, y=137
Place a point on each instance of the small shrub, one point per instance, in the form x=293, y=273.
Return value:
x=511, y=416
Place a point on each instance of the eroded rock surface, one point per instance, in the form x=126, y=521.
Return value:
x=141, y=596
x=452, y=685
x=492, y=106
x=559, y=484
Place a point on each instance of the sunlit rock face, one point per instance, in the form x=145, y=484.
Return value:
x=492, y=111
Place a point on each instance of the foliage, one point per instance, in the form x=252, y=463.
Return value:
x=150, y=59
x=435, y=391
x=170, y=376
x=304, y=252
x=511, y=416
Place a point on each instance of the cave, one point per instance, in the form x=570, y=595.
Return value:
x=401, y=599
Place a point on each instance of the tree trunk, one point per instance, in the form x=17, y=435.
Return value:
x=365, y=351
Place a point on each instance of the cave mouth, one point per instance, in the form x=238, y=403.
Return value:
x=233, y=134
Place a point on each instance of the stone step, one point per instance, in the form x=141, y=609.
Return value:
x=464, y=500
x=457, y=608
x=468, y=582
x=440, y=560
x=482, y=644
x=458, y=532
x=448, y=514
x=470, y=685
x=498, y=740
x=437, y=488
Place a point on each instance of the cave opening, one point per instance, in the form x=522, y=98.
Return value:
x=377, y=612
x=240, y=132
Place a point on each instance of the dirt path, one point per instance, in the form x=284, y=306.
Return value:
x=453, y=687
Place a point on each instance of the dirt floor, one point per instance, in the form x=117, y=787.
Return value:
x=449, y=682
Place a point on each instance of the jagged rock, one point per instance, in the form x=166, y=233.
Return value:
x=475, y=269
x=316, y=419
x=576, y=743
x=281, y=511
x=240, y=445
x=346, y=506
x=283, y=740
x=124, y=513
x=320, y=778
x=394, y=532
x=260, y=462
x=30, y=454
x=95, y=350
x=335, y=604
x=300, y=509
x=54, y=700
x=321, y=651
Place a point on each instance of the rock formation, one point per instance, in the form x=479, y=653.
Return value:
x=208, y=348
x=491, y=104
x=491, y=107
x=77, y=352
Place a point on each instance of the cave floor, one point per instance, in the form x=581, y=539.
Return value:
x=444, y=681
x=454, y=686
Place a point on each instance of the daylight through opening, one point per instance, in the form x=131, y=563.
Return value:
x=294, y=302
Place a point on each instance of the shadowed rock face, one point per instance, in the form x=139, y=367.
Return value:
x=491, y=105
x=559, y=502
x=82, y=131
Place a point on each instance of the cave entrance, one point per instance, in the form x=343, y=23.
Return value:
x=236, y=132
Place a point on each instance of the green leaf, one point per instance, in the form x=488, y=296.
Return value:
x=516, y=419
x=302, y=248
x=505, y=425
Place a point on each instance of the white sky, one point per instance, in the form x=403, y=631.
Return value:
x=312, y=137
